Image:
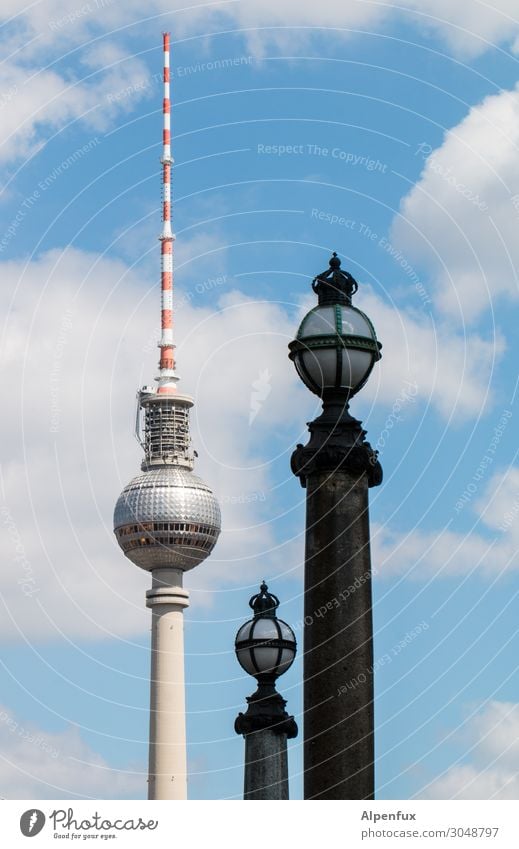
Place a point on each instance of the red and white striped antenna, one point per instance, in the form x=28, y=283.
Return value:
x=167, y=376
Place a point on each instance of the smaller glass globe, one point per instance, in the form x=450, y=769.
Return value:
x=265, y=646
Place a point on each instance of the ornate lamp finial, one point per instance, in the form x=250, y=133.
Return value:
x=264, y=603
x=334, y=286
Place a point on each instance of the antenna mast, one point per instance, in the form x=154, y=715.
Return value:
x=167, y=376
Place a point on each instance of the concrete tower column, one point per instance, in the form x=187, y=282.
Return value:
x=167, y=749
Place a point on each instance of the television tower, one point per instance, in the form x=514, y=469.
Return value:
x=166, y=520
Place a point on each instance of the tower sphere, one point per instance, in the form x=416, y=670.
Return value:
x=167, y=518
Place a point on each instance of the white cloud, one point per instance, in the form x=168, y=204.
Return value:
x=460, y=220
x=489, y=548
x=38, y=102
x=499, y=506
x=472, y=782
x=37, y=764
x=38, y=99
x=470, y=27
x=442, y=553
x=491, y=739
x=449, y=370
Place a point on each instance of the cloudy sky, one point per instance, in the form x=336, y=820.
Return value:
x=389, y=134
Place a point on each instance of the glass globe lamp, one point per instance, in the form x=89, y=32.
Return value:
x=265, y=646
x=336, y=346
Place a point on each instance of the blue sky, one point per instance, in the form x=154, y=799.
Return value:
x=387, y=135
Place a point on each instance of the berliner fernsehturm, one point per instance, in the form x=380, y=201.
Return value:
x=166, y=521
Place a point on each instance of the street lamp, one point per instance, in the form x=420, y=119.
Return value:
x=265, y=648
x=334, y=352
x=336, y=346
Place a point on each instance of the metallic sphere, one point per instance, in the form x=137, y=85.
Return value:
x=167, y=518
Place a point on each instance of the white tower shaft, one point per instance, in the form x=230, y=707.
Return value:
x=167, y=778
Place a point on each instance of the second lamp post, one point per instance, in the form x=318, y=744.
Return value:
x=265, y=648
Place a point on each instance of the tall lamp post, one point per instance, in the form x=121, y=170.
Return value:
x=334, y=352
x=265, y=648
